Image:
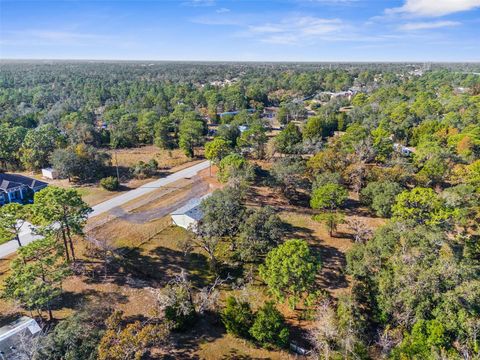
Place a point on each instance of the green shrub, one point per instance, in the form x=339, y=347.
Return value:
x=179, y=308
x=380, y=196
x=110, y=183
x=144, y=170
x=269, y=327
x=237, y=317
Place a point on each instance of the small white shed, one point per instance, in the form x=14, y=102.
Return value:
x=49, y=173
x=188, y=215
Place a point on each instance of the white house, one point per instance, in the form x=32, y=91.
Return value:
x=189, y=215
x=16, y=337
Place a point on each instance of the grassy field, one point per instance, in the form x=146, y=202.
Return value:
x=165, y=158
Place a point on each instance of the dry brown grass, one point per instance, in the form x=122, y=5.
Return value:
x=332, y=250
x=154, y=255
x=229, y=347
x=166, y=158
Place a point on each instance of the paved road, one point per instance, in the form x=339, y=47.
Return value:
x=147, y=188
x=27, y=237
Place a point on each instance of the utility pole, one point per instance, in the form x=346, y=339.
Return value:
x=116, y=165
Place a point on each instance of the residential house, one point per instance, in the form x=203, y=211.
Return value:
x=233, y=113
x=17, y=338
x=17, y=188
x=270, y=112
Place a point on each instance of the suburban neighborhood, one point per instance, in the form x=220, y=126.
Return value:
x=239, y=180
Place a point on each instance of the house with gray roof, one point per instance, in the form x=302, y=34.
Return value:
x=17, y=338
x=17, y=188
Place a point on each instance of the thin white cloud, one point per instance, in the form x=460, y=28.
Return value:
x=199, y=3
x=262, y=29
x=63, y=35
x=414, y=26
x=296, y=29
x=222, y=10
x=331, y=2
x=432, y=8
x=217, y=20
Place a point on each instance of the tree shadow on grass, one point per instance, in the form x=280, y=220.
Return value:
x=6, y=319
x=355, y=207
x=159, y=266
x=234, y=354
x=76, y=300
x=332, y=274
x=298, y=232
x=206, y=329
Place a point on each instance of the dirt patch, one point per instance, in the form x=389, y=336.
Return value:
x=158, y=203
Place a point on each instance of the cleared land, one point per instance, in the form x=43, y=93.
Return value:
x=148, y=254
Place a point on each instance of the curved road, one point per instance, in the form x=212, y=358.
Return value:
x=26, y=235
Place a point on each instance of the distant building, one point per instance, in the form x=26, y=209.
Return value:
x=340, y=94
x=189, y=215
x=50, y=173
x=233, y=113
x=16, y=337
x=270, y=112
x=406, y=151
x=242, y=128
x=15, y=188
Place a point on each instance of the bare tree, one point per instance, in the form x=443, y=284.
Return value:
x=209, y=244
x=102, y=250
x=324, y=333
x=180, y=294
x=361, y=233
x=207, y=298
x=387, y=340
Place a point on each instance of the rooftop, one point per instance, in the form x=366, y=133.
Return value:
x=15, y=335
x=10, y=181
x=191, y=208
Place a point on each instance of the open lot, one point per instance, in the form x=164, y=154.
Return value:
x=148, y=254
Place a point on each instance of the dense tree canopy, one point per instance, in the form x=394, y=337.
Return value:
x=290, y=270
x=400, y=139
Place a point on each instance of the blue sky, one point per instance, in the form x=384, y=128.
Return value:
x=242, y=30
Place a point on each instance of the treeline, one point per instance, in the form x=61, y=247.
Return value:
x=411, y=153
